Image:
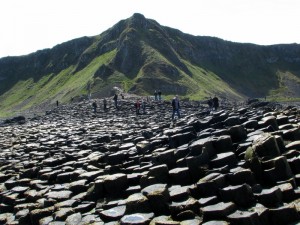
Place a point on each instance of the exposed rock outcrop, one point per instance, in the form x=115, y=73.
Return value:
x=73, y=166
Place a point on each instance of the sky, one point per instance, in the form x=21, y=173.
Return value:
x=30, y=25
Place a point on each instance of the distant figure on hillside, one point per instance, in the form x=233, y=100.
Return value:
x=159, y=95
x=215, y=102
x=104, y=104
x=94, y=104
x=155, y=95
x=57, y=103
x=137, y=106
x=176, y=107
x=115, y=98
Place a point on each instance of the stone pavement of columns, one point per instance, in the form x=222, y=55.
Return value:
x=237, y=165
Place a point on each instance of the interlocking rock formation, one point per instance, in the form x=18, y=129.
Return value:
x=238, y=165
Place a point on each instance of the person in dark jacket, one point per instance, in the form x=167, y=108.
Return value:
x=104, y=104
x=115, y=98
x=159, y=95
x=210, y=103
x=94, y=104
x=137, y=106
x=176, y=107
x=155, y=95
x=143, y=106
x=215, y=102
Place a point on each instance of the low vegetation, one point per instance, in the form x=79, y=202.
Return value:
x=140, y=56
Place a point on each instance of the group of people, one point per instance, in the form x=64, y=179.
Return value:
x=213, y=103
x=157, y=95
x=95, y=106
x=139, y=105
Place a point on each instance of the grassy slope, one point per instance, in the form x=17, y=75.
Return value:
x=209, y=84
x=288, y=88
x=51, y=87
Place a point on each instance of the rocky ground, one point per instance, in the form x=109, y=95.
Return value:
x=237, y=165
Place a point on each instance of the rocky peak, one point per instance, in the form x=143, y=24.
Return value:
x=138, y=21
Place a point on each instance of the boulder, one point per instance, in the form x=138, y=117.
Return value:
x=159, y=197
x=237, y=133
x=266, y=146
x=137, y=203
x=180, y=176
x=284, y=215
x=241, y=195
x=137, y=218
x=115, y=184
x=243, y=217
x=218, y=211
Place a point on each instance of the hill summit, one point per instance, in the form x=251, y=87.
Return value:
x=139, y=56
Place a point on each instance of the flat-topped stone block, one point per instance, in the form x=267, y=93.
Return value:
x=218, y=211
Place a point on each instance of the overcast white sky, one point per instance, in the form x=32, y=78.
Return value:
x=30, y=25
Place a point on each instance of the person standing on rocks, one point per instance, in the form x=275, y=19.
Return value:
x=176, y=107
x=143, y=106
x=210, y=103
x=57, y=103
x=95, y=106
x=115, y=98
x=155, y=95
x=104, y=104
x=215, y=103
x=137, y=106
x=159, y=95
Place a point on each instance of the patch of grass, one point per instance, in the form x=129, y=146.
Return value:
x=287, y=87
x=209, y=84
x=50, y=88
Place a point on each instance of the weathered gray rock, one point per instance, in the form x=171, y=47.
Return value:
x=218, y=211
x=63, y=213
x=77, y=167
x=159, y=197
x=190, y=204
x=241, y=195
x=113, y=214
x=241, y=176
x=216, y=222
x=293, y=145
x=270, y=197
x=163, y=220
x=196, y=147
x=115, y=184
x=137, y=218
x=284, y=215
x=180, y=176
x=160, y=172
x=37, y=214
x=266, y=146
x=243, y=217
x=269, y=121
x=224, y=159
x=74, y=219
x=209, y=185
x=277, y=169
x=137, y=203
x=237, y=133
x=59, y=195
x=223, y=144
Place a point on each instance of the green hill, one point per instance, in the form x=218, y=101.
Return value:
x=140, y=56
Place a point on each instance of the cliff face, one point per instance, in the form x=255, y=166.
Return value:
x=140, y=55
